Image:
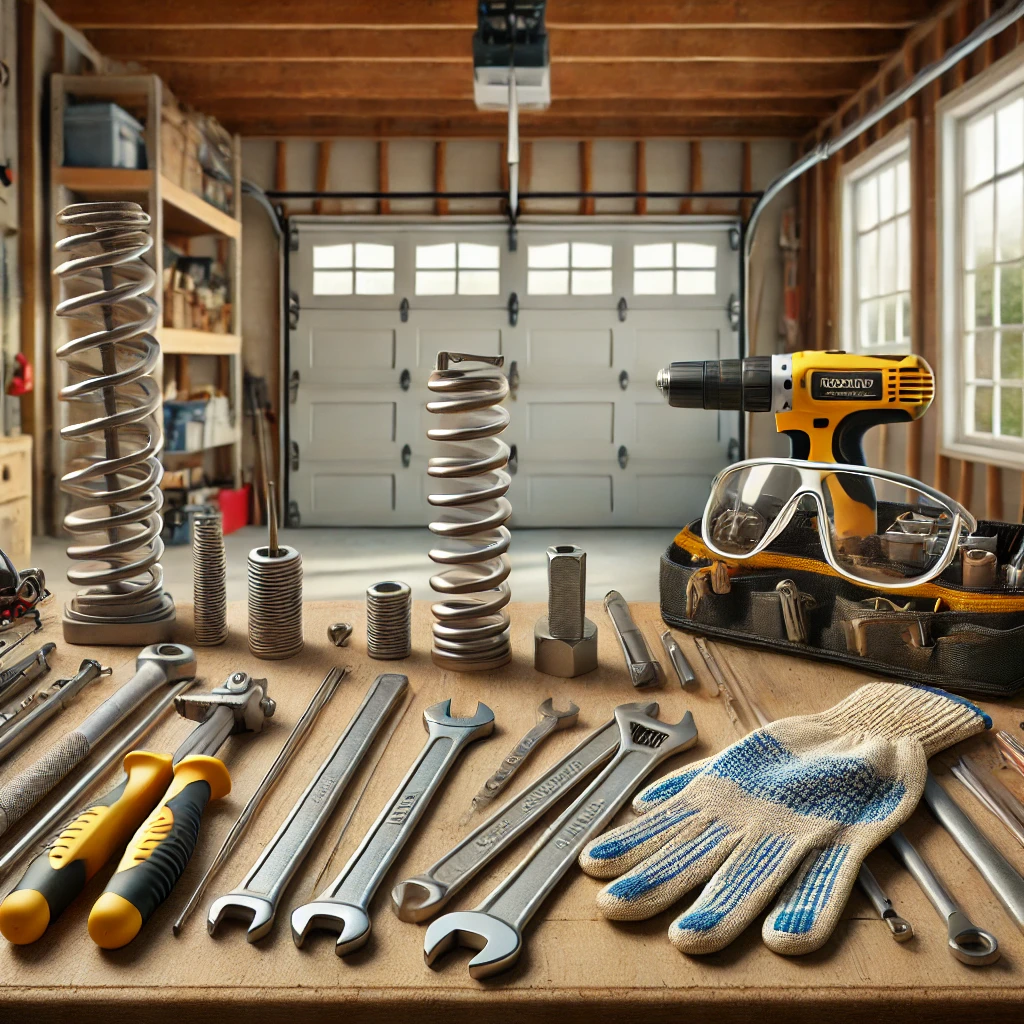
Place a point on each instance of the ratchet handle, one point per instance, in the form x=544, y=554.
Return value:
x=84, y=845
x=158, y=853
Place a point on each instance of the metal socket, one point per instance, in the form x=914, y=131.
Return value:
x=565, y=640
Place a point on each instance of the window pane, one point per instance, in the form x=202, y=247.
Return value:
x=656, y=255
x=479, y=282
x=1010, y=407
x=435, y=282
x=693, y=254
x=375, y=282
x=983, y=348
x=548, y=282
x=867, y=265
x=652, y=282
x=886, y=193
x=869, y=324
x=555, y=255
x=695, y=282
x=332, y=257
x=1009, y=218
x=867, y=203
x=592, y=282
x=591, y=254
x=332, y=282
x=978, y=231
x=889, y=322
x=903, y=186
x=476, y=256
x=1011, y=356
x=983, y=410
x=903, y=253
x=969, y=310
x=1010, y=136
x=887, y=258
x=436, y=257
x=979, y=149
x=906, y=326
x=372, y=256
x=1010, y=295
x=983, y=283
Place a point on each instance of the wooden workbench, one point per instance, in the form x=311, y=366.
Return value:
x=575, y=965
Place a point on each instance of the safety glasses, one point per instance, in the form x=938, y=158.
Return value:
x=879, y=528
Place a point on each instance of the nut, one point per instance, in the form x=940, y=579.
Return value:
x=556, y=656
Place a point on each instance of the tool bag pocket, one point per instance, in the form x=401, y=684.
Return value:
x=789, y=599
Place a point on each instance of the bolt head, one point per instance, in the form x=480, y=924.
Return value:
x=564, y=658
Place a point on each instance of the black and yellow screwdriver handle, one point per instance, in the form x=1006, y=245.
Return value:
x=84, y=845
x=158, y=853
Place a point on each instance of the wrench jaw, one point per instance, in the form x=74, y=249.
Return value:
x=354, y=930
x=258, y=911
x=481, y=722
x=563, y=719
x=416, y=899
x=497, y=942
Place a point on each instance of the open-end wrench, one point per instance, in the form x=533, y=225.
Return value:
x=344, y=903
x=495, y=927
x=260, y=891
x=420, y=897
x=550, y=721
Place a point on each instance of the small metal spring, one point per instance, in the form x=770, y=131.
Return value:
x=275, y=595
x=114, y=475
x=389, y=620
x=209, y=579
x=472, y=628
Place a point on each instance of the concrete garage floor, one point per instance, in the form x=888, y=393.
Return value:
x=339, y=564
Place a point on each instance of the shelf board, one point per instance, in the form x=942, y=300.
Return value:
x=202, y=451
x=176, y=341
x=184, y=213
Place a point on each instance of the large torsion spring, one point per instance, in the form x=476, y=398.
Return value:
x=471, y=631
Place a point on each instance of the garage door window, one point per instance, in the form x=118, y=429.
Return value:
x=463, y=268
x=682, y=268
x=569, y=268
x=362, y=268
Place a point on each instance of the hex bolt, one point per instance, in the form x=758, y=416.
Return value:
x=565, y=640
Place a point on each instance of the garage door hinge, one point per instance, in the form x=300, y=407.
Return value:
x=293, y=518
x=403, y=311
x=294, y=460
x=733, y=310
x=293, y=387
x=293, y=239
x=513, y=309
x=623, y=308
x=293, y=310
x=734, y=239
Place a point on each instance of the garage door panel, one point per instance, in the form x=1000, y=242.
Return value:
x=559, y=497
x=657, y=348
x=479, y=341
x=674, y=433
x=352, y=496
x=334, y=348
x=568, y=349
x=676, y=498
x=344, y=428
x=558, y=423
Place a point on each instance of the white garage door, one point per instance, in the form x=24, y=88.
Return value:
x=585, y=312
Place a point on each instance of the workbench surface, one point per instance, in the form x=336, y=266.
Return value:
x=575, y=964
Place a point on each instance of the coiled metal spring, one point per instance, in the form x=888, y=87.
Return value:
x=209, y=579
x=389, y=620
x=472, y=628
x=113, y=476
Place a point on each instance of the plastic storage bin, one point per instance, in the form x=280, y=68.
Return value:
x=102, y=135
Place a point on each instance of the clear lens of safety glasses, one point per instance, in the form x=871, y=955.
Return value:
x=876, y=527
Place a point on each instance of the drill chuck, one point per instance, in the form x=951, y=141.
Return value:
x=719, y=384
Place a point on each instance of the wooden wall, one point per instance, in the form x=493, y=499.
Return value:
x=988, y=490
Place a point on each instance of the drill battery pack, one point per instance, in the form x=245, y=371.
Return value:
x=789, y=599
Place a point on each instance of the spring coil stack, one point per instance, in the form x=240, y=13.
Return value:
x=471, y=631
x=113, y=475
x=209, y=578
x=389, y=620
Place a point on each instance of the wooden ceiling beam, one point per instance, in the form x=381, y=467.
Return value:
x=460, y=14
x=449, y=45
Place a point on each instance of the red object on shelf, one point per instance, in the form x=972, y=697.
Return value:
x=234, y=508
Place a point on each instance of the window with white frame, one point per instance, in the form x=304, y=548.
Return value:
x=682, y=268
x=877, y=249
x=360, y=268
x=982, y=192
x=569, y=268
x=463, y=268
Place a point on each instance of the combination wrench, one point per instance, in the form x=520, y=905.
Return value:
x=343, y=905
x=495, y=927
x=422, y=896
x=261, y=890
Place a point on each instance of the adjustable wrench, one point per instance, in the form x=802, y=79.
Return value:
x=495, y=926
x=260, y=891
x=345, y=901
x=422, y=896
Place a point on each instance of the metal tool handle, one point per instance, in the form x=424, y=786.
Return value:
x=644, y=669
x=119, y=705
x=512, y=761
x=1002, y=877
x=901, y=929
x=14, y=679
x=920, y=871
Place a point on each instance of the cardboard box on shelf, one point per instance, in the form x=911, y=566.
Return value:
x=172, y=143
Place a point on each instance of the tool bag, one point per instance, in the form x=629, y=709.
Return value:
x=789, y=599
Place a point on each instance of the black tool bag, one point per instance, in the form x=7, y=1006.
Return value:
x=968, y=641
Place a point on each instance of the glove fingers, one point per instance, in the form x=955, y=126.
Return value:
x=668, y=786
x=813, y=899
x=626, y=846
x=738, y=892
x=657, y=883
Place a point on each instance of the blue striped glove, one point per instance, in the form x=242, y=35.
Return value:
x=791, y=809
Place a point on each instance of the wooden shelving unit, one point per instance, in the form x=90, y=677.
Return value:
x=176, y=214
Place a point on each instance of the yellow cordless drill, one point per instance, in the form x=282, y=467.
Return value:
x=823, y=401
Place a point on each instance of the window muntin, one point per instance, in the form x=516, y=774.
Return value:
x=463, y=268
x=569, y=268
x=359, y=268
x=682, y=268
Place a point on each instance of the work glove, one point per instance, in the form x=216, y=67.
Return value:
x=793, y=808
